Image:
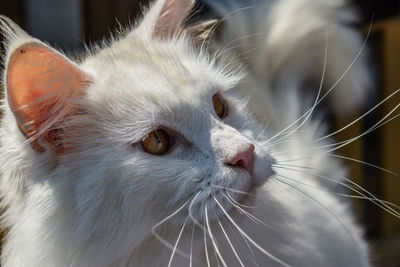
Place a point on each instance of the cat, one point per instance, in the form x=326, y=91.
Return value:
x=144, y=153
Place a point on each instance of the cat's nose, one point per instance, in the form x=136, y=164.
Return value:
x=244, y=159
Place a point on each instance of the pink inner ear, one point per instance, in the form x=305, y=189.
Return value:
x=40, y=82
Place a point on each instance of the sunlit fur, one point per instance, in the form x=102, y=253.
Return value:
x=106, y=202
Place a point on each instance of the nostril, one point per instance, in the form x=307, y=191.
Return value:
x=244, y=159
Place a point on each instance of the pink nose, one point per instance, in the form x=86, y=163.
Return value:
x=244, y=159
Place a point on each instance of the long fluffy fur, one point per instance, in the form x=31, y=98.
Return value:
x=108, y=203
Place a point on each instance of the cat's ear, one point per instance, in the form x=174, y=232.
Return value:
x=165, y=18
x=40, y=85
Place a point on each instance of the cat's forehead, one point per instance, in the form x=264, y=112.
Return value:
x=156, y=83
x=170, y=66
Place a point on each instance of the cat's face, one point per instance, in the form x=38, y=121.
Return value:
x=153, y=127
x=183, y=104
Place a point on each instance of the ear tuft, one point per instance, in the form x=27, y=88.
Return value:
x=203, y=31
x=13, y=34
x=40, y=85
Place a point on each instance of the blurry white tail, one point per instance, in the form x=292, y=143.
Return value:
x=285, y=42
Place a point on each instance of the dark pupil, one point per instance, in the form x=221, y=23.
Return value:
x=157, y=137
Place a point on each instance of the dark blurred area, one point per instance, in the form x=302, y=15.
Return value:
x=68, y=24
x=379, y=9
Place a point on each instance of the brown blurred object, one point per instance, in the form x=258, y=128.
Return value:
x=379, y=147
x=389, y=32
x=389, y=35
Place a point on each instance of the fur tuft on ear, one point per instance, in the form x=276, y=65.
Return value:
x=14, y=36
x=165, y=18
x=40, y=85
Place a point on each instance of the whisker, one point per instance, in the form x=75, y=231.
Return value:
x=325, y=207
x=361, y=196
x=371, y=199
x=230, y=243
x=237, y=203
x=213, y=28
x=342, y=157
x=365, y=163
x=249, y=238
x=377, y=125
x=374, y=199
x=319, y=89
x=341, y=144
x=361, y=117
x=249, y=215
x=239, y=39
x=205, y=245
x=162, y=240
x=331, y=88
x=196, y=222
x=244, y=55
x=233, y=190
x=213, y=239
x=191, y=246
x=249, y=251
x=177, y=241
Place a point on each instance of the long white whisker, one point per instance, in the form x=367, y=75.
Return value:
x=205, y=245
x=213, y=239
x=191, y=246
x=325, y=207
x=238, y=39
x=374, y=199
x=230, y=243
x=378, y=124
x=249, y=250
x=365, y=163
x=233, y=190
x=319, y=90
x=341, y=144
x=332, y=87
x=359, y=118
x=361, y=196
x=196, y=222
x=281, y=163
x=249, y=215
x=177, y=241
x=162, y=240
x=237, y=203
x=249, y=238
x=212, y=29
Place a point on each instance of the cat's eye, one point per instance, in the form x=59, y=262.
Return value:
x=156, y=142
x=220, y=106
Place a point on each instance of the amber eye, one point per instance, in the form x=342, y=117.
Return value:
x=156, y=142
x=220, y=107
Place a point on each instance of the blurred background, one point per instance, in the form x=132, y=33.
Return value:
x=68, y=24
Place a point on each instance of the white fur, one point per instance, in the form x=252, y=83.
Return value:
x=96, y=205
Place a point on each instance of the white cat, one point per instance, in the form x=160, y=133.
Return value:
x=143, y=154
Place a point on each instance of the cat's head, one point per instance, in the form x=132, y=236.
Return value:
x=131, y=134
